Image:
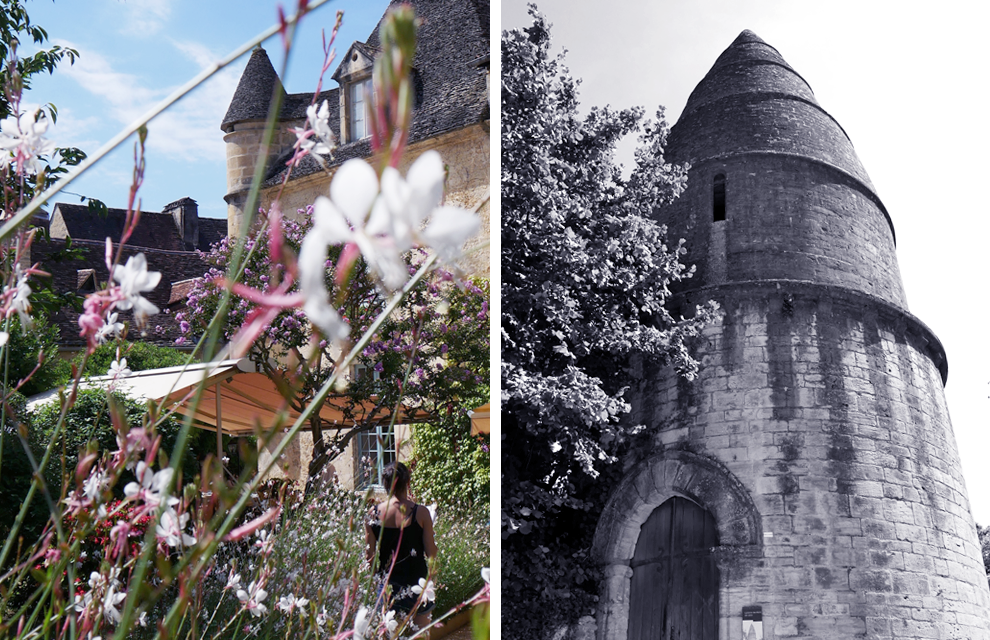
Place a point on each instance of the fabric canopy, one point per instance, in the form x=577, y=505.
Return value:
x=246, y=397
x=480, y=419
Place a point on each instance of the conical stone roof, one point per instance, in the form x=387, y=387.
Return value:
x=753, y=101
x=254, y=91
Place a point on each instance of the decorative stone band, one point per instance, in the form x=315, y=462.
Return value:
x=843, y=175
x=795, y=293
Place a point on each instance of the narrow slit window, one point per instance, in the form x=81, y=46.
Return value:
x=718, y=197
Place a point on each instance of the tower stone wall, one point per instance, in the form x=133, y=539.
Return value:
x=816, y=433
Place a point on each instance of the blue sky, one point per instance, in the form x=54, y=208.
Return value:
x=906, y=82
x=133, y=53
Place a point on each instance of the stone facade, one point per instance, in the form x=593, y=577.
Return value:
x=816, y=432
x=450, y=115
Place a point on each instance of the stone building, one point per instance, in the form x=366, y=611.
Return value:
x=170, y=241
x=450, y=115
x=807, y=483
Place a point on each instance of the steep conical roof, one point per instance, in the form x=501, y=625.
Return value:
x=254, y=91
x=775, y=190
x=753, y=101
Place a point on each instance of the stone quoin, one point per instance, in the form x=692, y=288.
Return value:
x=815, y=441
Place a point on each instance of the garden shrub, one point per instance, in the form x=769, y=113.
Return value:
x=89, y=419
x=141, y=356
x=462, y=536
x=24, y=349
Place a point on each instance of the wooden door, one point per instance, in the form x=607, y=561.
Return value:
x=674, y=590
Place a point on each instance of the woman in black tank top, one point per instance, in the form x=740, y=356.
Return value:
x=400, y=542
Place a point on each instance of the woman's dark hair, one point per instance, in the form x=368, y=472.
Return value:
x=399, y=474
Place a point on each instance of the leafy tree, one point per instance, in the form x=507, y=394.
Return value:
x=141, y=356
x=89, y=419
x=26, y=349
x=16, y=27
x=432, y=353
x=984, y=535
x=585, y=279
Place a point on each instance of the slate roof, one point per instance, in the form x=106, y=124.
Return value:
x=154, y=231
x=175, y=267
x=451, y=89
x=254, y=91
x=211, y=231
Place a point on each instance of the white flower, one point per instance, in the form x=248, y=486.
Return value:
x=353, y=213
x=169, y=529
x=426, y=588
x=118, y=369
x=24, y=141
x=234, y=581
x=4, y=338
x=20, y=301
x=360, y=624
x=94, y=484
x=448, y=230
x=321, y=617
x=318, y=121
x=135, y=279
x=152, y=487
x=486, y=574
x=110, y=602
x=412, y=200
x=290, y=602
x=110, y=328
x=252, y=599
x=143, y=619
x=390, y=622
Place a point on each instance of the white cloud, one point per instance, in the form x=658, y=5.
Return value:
x=199, y=53
x=189, y=130
x=144, y=17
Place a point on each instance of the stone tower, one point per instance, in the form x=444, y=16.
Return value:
x=244, y=128
x=807, y=483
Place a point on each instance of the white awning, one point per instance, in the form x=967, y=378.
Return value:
x=247, y=398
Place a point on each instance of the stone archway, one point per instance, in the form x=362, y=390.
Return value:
x=648, y=485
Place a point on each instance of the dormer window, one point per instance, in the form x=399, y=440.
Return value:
x=86, y=280
x=354, y=77
x=358, y=104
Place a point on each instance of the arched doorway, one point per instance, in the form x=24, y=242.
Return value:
x=675, y=581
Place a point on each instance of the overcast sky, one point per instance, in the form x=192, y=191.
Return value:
x=907, y=81
x=133, y=53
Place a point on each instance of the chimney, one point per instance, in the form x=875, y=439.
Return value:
x=185, y=214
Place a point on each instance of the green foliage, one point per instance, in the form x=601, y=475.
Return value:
x=451, y=467
x=89, y=419
x=24, y=350
x=984, y=536
x=586, y=273
x=462, y=535
x=15, y=481
x=15, y=27
x=141, y=356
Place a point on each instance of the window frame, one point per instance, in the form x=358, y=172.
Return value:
x=378, y=444
x=362, y=87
